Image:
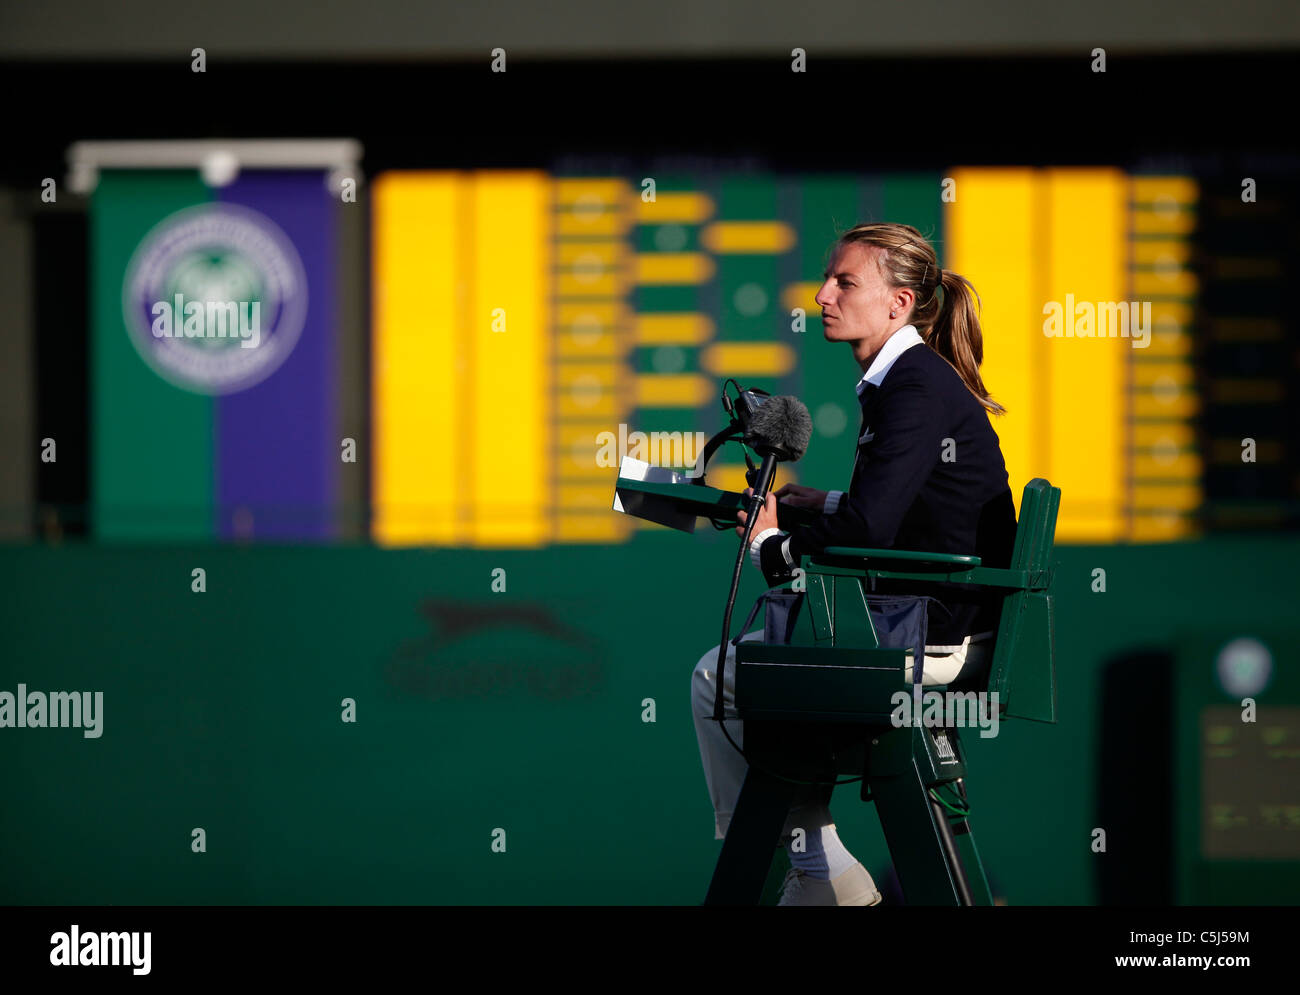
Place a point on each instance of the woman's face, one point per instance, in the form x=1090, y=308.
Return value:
x=856, y=301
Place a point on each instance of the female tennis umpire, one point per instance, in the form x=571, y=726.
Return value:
x=928, y=475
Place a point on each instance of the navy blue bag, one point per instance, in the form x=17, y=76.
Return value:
x=782, y=611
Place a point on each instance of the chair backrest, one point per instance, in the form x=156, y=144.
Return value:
x=1036, y=527
x=1023, y=669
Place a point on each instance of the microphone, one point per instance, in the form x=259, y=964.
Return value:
x=778, y=430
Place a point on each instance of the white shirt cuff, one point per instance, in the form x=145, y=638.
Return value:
x=758, y=541
x=832, y=502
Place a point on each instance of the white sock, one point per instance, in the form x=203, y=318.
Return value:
x=824, y=856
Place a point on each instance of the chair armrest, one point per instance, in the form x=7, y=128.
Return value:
x=902, y=555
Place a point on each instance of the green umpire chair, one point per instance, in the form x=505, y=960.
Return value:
x=820, y=706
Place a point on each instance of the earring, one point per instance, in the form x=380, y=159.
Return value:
x=891, y=314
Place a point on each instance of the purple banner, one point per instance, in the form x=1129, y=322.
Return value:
x=276, y=455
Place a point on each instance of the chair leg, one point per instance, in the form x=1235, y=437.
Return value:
x=934, y=856
x=752, y=838
x=907, y=817
x=908, y=821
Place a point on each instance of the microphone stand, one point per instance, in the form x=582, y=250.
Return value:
x=766, y=473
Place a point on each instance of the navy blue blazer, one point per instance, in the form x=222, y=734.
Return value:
x=928, y=475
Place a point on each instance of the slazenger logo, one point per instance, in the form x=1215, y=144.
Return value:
x=457, y=659
x=77, y=949
x=215, y=298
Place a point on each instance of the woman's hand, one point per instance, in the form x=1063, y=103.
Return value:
x=766, y=515
x=802, y=497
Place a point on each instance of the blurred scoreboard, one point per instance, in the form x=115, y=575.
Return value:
x=519, y=315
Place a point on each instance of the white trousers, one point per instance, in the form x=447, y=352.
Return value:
x=724, y=768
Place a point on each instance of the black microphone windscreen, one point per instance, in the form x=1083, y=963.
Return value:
x=781, y=423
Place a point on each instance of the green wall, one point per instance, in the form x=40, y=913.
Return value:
x=519, y=710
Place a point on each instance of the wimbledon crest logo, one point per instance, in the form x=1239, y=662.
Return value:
x=214, y=298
